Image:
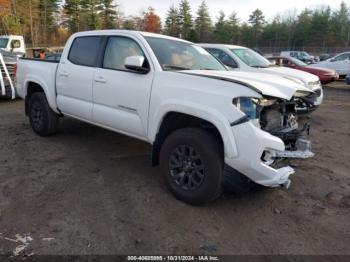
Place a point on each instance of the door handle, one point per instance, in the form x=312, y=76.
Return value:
x=100, y=79
x=64, y=73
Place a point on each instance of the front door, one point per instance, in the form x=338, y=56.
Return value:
x=121, y=96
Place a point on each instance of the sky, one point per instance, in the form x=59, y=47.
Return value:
x=243, y=8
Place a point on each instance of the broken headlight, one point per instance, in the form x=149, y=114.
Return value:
x=252, y=106
x=247, y=106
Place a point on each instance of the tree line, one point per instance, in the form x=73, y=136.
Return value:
x=50, y=22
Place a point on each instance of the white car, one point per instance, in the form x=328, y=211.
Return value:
x=339, y=63
x=207, y=126
x=245, y=59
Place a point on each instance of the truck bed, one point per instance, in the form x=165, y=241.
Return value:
x=27, y=72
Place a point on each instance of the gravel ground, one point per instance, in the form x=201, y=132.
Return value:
x=90, y=191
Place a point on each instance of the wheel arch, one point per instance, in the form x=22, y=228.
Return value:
x=33, y=85
x=178, y=118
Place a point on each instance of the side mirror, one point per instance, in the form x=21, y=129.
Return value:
x=136, y=64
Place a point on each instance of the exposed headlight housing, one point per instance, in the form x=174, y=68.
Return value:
x=247, y=106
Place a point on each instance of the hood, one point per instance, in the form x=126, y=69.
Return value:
x=290, y=72
x=263, y=83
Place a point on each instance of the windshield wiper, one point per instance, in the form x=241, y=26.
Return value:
x=175, y=67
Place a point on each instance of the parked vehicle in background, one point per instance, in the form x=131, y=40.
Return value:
x=53, y=57
x=206, y=125
x=325, y=75
x=10, y=61
x=245, y=59
x=301, y=55
x=324, y=57
x=339, y=63
x=13, y=44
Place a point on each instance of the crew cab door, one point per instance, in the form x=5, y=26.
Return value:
x=75, y=75
x=121, y=96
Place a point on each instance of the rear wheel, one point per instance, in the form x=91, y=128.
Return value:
x=192, y=162
x=42, y=119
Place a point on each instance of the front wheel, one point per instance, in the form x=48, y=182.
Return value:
x=42, y=119
x=191, y=160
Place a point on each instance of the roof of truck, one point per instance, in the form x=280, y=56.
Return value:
x=222, y=45
x=131, y=32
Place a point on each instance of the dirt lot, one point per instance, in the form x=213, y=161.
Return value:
x=90, y=191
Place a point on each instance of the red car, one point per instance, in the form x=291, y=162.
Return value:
x=326, y=75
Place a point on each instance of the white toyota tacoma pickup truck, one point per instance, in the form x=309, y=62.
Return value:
x=208, y=127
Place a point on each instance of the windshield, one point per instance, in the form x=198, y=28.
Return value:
x=175, y=55
x=3, y=42
x=251, y=58
x=297, y=61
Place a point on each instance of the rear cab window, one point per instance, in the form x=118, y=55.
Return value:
x=84, y=50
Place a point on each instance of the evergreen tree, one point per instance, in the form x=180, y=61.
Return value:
x=90, y=10
x=257, y=21
x=186, y=20
x=47, y=9
x=109, y=14
x=221, y=33
x=72, y=9
x=172, y=22
x=234, y=27
x=203, y=23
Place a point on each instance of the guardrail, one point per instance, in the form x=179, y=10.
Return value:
x=7, y=75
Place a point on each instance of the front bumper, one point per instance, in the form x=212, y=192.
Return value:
x=256, y=148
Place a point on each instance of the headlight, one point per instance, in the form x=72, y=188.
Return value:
x=315, y=84
x=301, y=93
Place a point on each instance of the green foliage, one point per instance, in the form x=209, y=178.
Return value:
x=186, y=20
x=172, y=22
x=203, y=24
x=108, y=14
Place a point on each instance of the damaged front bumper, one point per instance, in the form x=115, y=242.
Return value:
x=258, y=150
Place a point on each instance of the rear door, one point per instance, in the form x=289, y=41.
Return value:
x=75, y=76
x=121, y=96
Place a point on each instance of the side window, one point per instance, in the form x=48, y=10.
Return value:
x=223, y=57
x=15, y=44
x=118, y=49
x=84, y=50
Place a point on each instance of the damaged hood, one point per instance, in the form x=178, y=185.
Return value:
x=263, y=83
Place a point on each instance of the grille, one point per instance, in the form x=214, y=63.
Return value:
x=10, y=69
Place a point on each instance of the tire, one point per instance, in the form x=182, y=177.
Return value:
x=191, y=160
x=42, y=119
